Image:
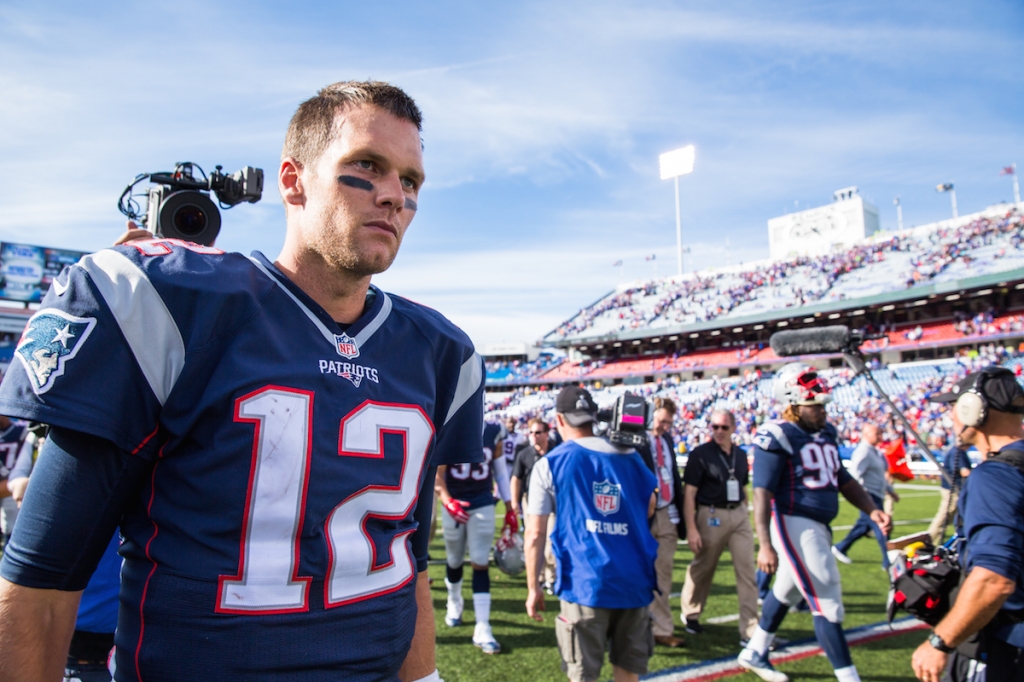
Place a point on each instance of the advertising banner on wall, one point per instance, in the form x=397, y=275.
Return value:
x=26, y=271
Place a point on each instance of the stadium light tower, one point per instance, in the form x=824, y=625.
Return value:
x=899, y=214
x=673, y=164
x=948, y=187
x=1012, y=170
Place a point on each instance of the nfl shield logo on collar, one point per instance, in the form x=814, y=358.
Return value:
x=346, y=346
x=52, y=338
x=606, y=497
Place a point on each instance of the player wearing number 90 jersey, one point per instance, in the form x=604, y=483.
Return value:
x=269, y=464
x=797, y=481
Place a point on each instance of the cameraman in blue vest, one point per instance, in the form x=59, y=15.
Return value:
x=604, y=550
x=988, y=408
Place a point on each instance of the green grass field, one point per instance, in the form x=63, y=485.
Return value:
x=528, y=648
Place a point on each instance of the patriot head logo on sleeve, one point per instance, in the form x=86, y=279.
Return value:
x=52, y=338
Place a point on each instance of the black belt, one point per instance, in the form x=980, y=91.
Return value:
x=727, y=505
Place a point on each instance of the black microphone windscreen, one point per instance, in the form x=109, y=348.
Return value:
x=811, y=341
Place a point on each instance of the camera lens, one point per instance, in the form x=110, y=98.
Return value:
x=190, y=215
x=190, y=220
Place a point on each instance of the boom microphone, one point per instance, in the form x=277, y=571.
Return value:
x=812, y=341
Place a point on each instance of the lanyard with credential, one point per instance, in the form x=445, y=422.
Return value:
x=732, y=486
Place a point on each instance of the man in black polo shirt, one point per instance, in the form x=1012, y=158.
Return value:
x=716, y=516
x=526, y=456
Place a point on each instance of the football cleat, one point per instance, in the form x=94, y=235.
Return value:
x=484, y=640
x=759, y=665
x=453, y=617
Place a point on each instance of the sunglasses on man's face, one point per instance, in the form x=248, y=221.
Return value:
x=538, y=433
x=720, y=427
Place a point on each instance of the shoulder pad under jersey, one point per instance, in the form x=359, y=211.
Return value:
x=773, y=436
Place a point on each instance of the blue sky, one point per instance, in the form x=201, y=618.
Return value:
x=543, y=124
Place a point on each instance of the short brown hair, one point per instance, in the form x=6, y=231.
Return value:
x=534, y=421
x=666, y=404
x=313, y=124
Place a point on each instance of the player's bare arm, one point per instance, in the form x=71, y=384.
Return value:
x=767, y=559
x=501, y=481
x=517, y=494
x=980, y=598
x=420, y=660
x=536, y=532
x=856, y=495
x=37, y=630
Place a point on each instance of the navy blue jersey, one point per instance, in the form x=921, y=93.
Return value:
x=474, y=483
x=992, y=523
x=801, y=469
x=10, y=444
x=271, y=539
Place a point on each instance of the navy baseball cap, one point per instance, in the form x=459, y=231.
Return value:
x=576, y=405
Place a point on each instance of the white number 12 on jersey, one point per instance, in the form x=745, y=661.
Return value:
x=267, y=580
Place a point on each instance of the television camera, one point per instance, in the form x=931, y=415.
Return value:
x=179, y=205
x=627, y=420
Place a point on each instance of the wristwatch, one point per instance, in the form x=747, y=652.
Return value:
x=938, y=644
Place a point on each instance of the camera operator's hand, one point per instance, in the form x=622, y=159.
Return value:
x=767, y=559
x=929, y=663
x=535, y=603
x=883, y=520
x=694, y=541
x=134, y=232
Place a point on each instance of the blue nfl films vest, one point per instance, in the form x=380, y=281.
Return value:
x=602, y=541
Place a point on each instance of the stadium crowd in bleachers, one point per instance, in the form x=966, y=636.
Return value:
x=749, y=398
x=906, y=259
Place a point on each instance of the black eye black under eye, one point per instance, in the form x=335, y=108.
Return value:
x=358, y=183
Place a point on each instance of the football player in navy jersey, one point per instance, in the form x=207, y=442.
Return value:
x=264, y=433
x=12, y=435
x=797, y=481
x=511, y=442
x=467, y=495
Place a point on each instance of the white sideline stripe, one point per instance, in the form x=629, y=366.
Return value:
x=470, y=376
x=144, y=319
x=722, y=667
x=904, y=522
x=718, y=620
x=914, y=486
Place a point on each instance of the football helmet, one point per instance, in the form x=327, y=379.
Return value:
x=799, y=384
x=508, y=553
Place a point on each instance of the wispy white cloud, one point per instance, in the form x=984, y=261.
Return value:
x=543, y=124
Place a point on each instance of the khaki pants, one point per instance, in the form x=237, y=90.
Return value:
x=734, y=533
x=943, y=515
x=667, y=535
